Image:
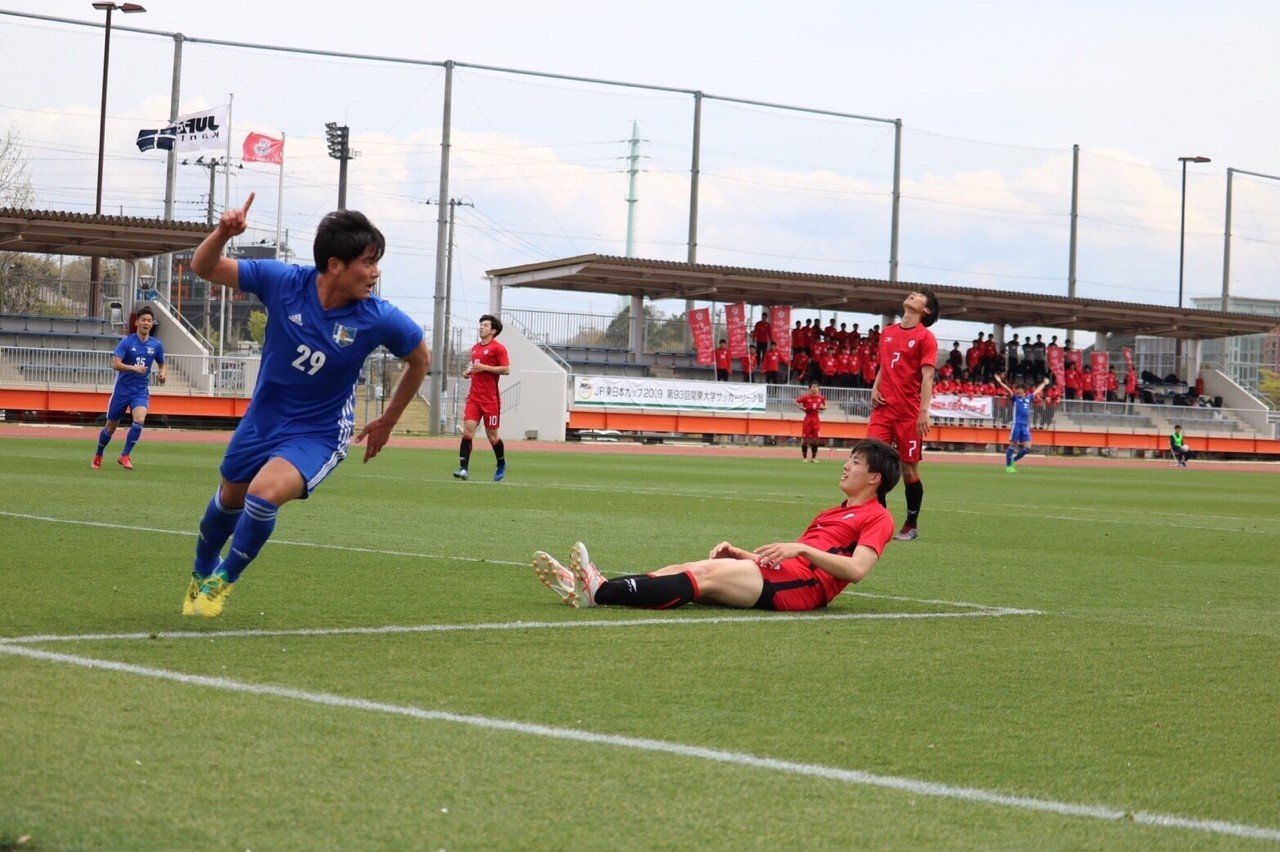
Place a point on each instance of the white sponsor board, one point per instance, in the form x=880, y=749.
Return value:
x=971, y=407
x=616, y=392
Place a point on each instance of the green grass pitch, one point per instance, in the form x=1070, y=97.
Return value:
x=1075, y=657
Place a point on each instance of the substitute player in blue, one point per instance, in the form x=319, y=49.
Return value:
x=322, y=322
x=1020, y=434
x=132, y=360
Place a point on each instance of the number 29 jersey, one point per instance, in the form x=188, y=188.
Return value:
x=311, y=358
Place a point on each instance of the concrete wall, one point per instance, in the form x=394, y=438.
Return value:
x=1247, y=407
x=535, y=396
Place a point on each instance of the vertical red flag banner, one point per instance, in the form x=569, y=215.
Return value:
x=780, y=326
x=700, y=330
x=1056, y=366
x=1075, y=356
x=263, y=149
x=1128, y=358
x=1098, y=362
x=735, y=320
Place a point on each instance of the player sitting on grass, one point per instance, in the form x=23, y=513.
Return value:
x=840, y=547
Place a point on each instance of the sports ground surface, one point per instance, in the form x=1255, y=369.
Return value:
x=1082, y=655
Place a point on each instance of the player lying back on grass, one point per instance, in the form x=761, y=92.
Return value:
x=840, y=546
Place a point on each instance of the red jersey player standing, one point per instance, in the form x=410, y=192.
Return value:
x=812, y=404
x=902, y=391
x=488, y=361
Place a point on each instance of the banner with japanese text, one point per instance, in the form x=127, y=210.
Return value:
x=700, y=330
x=620, y=392
x=1076, y=357
x=966, y=407
x=780, y=325
x=1057, y=365
x=735, y=322
x=1098, y=362
x=1131, y=375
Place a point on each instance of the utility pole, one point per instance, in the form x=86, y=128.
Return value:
x=212, y=164
x=454, y=204
x=635, y=327
x=339, y=139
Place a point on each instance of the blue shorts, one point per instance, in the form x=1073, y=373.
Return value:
x=123, y=400
x=314, y=456
x=1020, y=435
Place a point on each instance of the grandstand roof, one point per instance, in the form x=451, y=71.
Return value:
x=662, y=279
x=94, y=235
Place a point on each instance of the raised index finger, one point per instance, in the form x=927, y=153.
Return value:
x=248, y=203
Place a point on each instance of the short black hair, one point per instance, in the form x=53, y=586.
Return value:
x=882, y=459
x=494, y=323
x=931, y=301
x=145, y=309
x=346, y=235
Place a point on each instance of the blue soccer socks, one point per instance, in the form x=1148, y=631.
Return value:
x=252, y=531
x=135, y=432
x=216, y=527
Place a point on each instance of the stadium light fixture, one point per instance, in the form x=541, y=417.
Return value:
x=338, y=138
x=1182, y=250
x=95, y=266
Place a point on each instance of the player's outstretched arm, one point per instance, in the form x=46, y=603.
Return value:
x=851, y=568
x=208, y=260
x=378, y=430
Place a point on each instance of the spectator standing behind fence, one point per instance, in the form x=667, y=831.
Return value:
x=132, y=360
x=723, y=363
x=762, y=333
x=812, y=404
x=1178, y=446
x=769, y=364
x=1113, y=384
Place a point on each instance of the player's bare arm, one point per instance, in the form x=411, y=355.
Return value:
x=378, y=430
x=208, y=261
x=852, y=568
x=923, y=423
x=727, y=550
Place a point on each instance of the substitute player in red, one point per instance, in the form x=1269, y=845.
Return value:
x=484, y=404
x=840, y=546
x=812, y=404
x=901, y=394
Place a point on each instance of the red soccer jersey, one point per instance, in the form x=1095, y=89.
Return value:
x=771, y=360
x=904, y=352
x=762, y=332
x=811, y=404
x=484, y=385
x=841, y=530
x=722, y=358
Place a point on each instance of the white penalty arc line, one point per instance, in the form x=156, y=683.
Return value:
x=831, y=773
x=385, y=630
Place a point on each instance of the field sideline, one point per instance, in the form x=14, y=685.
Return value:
x=1075, y=656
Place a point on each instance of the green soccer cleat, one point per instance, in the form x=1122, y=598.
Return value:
x=1010, y=469
x=212, y=597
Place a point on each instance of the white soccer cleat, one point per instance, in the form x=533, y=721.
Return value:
x=555, y=577
x=588, y=577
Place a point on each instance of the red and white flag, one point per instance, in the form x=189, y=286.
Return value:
x=780, y=322
x=263, y=149
x=700, y=330
x=735, y=320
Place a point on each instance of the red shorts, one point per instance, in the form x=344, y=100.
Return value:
x=794, y=586
x=902, y=434
x=810, y=428
x=488, y=413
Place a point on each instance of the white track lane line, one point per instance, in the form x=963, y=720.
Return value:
x=846, y=776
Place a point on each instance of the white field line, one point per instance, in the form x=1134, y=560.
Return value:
x=975, y=611
x=831, y=773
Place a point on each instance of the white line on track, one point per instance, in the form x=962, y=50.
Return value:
x=831, y=773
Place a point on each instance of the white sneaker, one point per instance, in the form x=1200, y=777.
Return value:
x=555, y=577
x=460, y=473
x=589, y=579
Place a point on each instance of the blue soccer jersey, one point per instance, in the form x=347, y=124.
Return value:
x=132, y=350
x=1022, y=411
x=311, y=357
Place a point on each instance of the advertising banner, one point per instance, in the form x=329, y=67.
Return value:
x=1098, y=362
x=966, y=407
x=780, y=322
x=620, y=392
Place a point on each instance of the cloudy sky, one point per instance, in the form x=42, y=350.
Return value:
x=992, y=96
